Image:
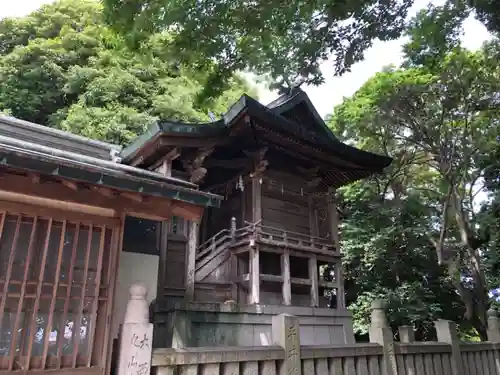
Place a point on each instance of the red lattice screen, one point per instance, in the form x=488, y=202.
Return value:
x=55, y=282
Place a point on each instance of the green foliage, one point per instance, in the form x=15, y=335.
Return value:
x=63, y=67
x=415, y=235
x=286, y=39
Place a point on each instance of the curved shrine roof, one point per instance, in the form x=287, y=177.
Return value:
x=291, y=116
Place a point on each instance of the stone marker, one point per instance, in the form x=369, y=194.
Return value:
x=136, y=337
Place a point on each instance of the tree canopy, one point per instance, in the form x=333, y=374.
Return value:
x=286, y=39
x=421, y=235
x=61, y=66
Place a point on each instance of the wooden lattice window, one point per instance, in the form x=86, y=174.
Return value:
x=55, y=280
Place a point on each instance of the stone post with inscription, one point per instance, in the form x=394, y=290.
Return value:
x=136, y=336
x=285, y=329
x=381, y=333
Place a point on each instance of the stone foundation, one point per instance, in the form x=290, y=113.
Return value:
x=207, y=324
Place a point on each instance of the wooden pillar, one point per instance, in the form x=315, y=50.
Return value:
x=254, y=250
x=256, y=200
x=191, y=259
x=162, y=267
x=333, y=218
x=254, y=275
x=233, y=263
x=313, y=274
x=285, y=273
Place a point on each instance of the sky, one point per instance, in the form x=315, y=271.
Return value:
x=332, y=92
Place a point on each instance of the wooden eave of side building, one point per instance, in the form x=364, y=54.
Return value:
x=340, y=163
x=42, y=175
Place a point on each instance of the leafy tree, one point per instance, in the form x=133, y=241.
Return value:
x=437, y=117
x=286, y=39
x=70, y=71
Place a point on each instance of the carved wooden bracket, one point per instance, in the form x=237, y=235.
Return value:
x=195, y=166
x=259, y=163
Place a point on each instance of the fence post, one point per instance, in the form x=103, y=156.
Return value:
x=493, y=326
x=447, y=332
x=406, y=334
x=285, y=333
x=136, y=337
x=381, y=333
x=494, y=336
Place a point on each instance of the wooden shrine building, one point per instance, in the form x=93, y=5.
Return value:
x=64, y=203
x=274, y=239
x=227, y=223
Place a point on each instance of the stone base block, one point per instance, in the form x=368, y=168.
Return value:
x=207, y=324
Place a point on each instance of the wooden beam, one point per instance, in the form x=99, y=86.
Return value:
x=108, y=193
x=285, y=272
x=56, y=194
x=70, y=184
x=313, y=274
x=132, y=196
x=191, y=260
x=164, y=164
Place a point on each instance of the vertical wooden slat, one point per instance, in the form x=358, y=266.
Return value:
x=95, y=303
x=419, y=364
x=374, y=365
x=103, y=324
x=349, y=366
x=438, y=367
x=308, y=366
x=465, y=362
x=410, y=364
x=10, y=265
x=48, y=329
x=76, y=326
x=211, y=369
x=190, y=370
x=484, y=362
x=38, y=293
x=491, y=362
x=447, y=366
x=67, y=299
x=400, y=362
x=231, y=368
x=20, y=303
x=321, y=366
x=429, y=366
x=477, y=361
x=362, y=367
x=250, y=368
x=336, y=367
x=111, y=300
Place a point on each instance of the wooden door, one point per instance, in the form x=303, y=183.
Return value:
x=57, y=276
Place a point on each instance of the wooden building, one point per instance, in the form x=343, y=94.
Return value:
x=274, y=240
x=64, y=201
x=230, y=222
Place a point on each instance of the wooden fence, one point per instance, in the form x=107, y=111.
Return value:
x=382, y=356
